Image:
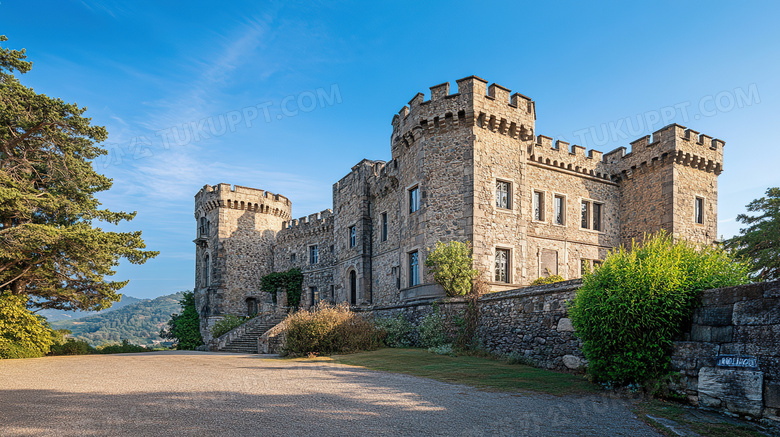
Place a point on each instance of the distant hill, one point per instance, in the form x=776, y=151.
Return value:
x=55, y=315
x=139, y=322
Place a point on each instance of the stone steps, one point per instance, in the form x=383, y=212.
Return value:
x=247, y=343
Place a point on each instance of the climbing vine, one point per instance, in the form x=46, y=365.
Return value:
x=291, y=281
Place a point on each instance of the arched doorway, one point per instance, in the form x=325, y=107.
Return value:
x=251, y=306
x=353, y=288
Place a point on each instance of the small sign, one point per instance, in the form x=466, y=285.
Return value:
x=742, y=361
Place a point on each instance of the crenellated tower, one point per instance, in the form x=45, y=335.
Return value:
x=236, y=230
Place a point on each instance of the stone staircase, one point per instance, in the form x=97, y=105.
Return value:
x=243, y=339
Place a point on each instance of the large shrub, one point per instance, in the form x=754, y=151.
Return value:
x=544, y=280
x=22, y=333
x=397, y=331
x=452, y=267
x=184, y=327
x=72, y=347
x=629, y=311
x=432, y=332
x=328, y=329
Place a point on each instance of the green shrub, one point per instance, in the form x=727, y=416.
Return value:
x=547, y=280
x=72, y=347
x=328, y=329
x=184, y=328
x=452, y=267
x=22, y=333
x=397, y=331
x=125, y=347
x=630, y=310
x=432, y=331
x=226, y=324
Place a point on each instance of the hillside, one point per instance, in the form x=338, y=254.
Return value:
x=55, y=315
x=140, y=322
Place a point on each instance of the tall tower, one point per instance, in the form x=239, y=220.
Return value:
x=236, y=230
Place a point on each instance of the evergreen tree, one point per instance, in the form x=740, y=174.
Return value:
x=185, y=327
x=50, y=252
x=759, y=242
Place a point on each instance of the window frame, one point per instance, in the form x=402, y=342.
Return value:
x=592, y=205
x=509, y=198
x=352, y=236
x=314, y=254
x=541, y=205
x=698, y=210
x=383, y=227
x=314, y=293
x=507, y=279
x=562, y=197
x=413, y=194
x=414, y=268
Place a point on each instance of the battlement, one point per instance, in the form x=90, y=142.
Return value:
x=567, y=158
x=320, y=222
x=672, y=143
x=242, y=198
x=492, y=107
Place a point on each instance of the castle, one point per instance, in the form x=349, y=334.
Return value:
x=465, y=166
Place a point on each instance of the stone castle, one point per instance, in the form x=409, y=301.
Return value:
x=465, y=166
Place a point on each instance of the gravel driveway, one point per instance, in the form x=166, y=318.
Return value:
x=201, y=393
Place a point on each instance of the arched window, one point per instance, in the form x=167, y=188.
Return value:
x=206, y=277
x=353, y=288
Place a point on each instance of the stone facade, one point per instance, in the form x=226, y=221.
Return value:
x=452, y=157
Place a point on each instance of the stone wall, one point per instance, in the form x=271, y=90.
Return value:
x=742, y=322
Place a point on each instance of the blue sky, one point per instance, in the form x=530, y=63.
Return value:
x=287, y=96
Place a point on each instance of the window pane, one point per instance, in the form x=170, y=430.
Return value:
x=585, y=214
x=597, y=216
x=538, y=206
x=313, y=255
x=502, y=265
x=559, y=210
x=352, y=236
x=699, y=213
x=414, y=202
x=413, y=269
x=384, y=226
x=502, y=195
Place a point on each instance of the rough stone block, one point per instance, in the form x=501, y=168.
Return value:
x=757, y=312
x=701, y=333
x=722, y=334
x=739, y=391
x=572, y=362
x=772, y=394
x=714, y=315
x=565, y=325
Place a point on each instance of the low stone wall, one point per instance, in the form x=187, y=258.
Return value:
x=273, y=340
x=729, y=359
x=532, y=322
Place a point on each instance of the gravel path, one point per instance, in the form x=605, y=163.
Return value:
x=200, y=393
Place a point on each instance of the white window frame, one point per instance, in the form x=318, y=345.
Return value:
x=507, y=266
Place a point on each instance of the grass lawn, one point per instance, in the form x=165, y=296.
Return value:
x=479, y=372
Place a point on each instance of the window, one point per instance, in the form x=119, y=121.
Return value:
x=315, y=295
x=414, y=269
x=584, y=266
x=202, y=229
x=699, y=210
x=206, y=277
x=384, y=226
x=502, y=265
x=313, y=254
x=292, y=258
x=597, y=216
x=414, y=199
x=538, y=206
x=331, y=248
x=560, y=210
x=352, y=236
x=503, y=195
x=592, y=215
x=585, y=214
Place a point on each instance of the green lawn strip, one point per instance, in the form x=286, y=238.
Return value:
x=679, y=414
x=469, y=370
